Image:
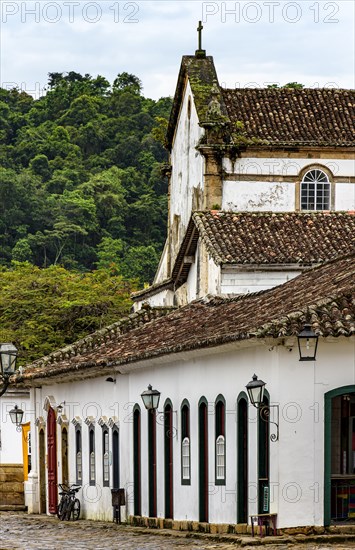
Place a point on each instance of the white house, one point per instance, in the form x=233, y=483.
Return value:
x=260, y=243
x=15, y=450
x=206, y=457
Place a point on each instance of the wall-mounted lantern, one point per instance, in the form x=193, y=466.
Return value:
x=16, y=415
x=8, y=356
x=307, y=343
x=151, y=398
x=255, y=390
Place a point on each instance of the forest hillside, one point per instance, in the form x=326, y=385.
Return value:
x=83, y=206
x=81, y=181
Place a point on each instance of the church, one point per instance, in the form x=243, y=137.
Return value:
x=203, y=405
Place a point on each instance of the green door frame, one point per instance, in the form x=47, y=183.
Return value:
x=327, y=444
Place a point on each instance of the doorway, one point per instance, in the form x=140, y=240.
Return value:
x=263, y=459
x=42, y=473
x=115, y=459
x=65, y=467
x=52, y=461
x=168, y=460
x=152, y=465
x=242, y=460
x=203, y=459
x=339, y=486
x=137, y=460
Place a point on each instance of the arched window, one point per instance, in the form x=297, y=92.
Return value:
x=185, y=444
x=315, y=190
x=78, y=456
x=92, y=473
x=105, y=457
x=220, y=451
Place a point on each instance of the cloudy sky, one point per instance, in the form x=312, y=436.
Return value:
x=254, y=43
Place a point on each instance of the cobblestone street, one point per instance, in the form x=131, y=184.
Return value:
x=19, y=531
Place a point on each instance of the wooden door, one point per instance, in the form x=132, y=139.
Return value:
x=26, y=450
x=65, y=469
x=52, y=461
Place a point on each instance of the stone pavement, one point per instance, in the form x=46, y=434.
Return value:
x=20, y=531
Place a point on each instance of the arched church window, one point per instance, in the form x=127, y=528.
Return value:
x=220, y=450
x=185, y=444
x=315, y=190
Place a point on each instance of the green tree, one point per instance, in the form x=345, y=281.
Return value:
x=127, y=82
x=40, y=166
x=22, y=251
x=140, y=263
x=44, y=309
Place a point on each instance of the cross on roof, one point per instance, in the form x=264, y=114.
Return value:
x=200, y=52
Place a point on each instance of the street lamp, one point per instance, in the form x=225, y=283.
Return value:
x=255, y=390
x=151, y=398
x=16, y=416
x=8, y=356
x=307, y=343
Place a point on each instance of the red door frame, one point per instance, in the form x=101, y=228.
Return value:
x=52, y=461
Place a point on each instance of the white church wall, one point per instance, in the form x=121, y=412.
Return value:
x=345, y=196
x=159, y=299
x=187, y=165
x=236, y=281
x=258, y=196
x=214, y=277
x=245, y=195
x=162, y=272
x=191, y=283
x=282, y=166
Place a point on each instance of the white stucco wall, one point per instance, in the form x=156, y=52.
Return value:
x=187, y=164
x=296, y=460
x=162, y=298
x=287, y=166
x=10, y=439
x=258, y=196
x=345, y=196
x=236, y=281
x=245, y=195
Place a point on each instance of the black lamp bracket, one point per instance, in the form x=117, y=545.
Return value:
x=264, y=413
x=6, y=382
x=160, y=418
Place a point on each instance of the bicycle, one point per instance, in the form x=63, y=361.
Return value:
x=69, y=505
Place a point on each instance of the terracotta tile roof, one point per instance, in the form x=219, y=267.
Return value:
x=268, y=238
x=104, y=335
x=326, y=293
x=262, y=238
x=286, y=116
